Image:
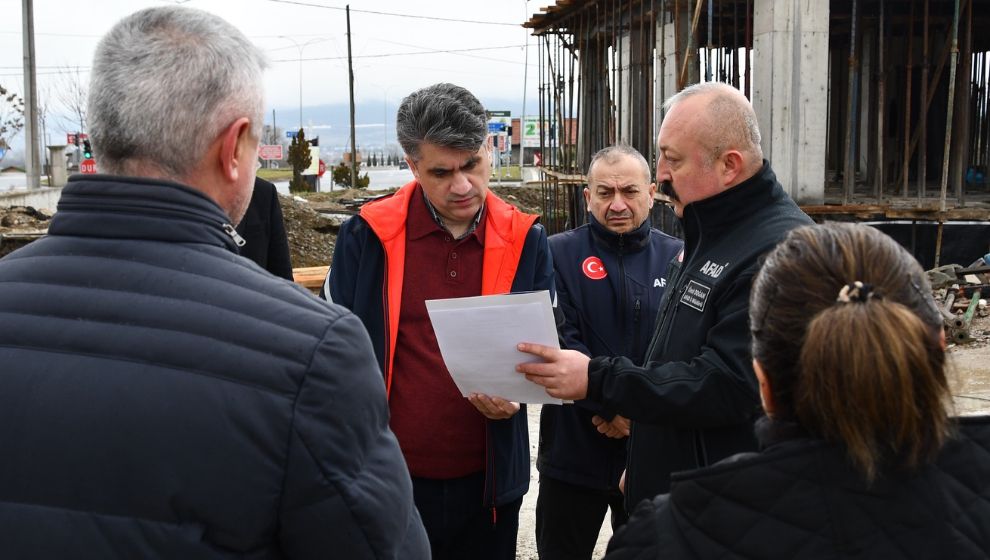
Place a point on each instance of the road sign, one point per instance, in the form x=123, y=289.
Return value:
x=496, y=127
x=291, y=133
x=71, y=137
x=270, y=151
x=323, y=168
x=88, y=166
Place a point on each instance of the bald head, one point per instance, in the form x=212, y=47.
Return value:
x=726, y=120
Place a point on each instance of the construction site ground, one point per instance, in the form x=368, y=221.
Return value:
x=313, y=219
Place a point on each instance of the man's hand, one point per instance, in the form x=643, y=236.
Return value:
x=618, y=428
x=493, y=408
x=564, y=373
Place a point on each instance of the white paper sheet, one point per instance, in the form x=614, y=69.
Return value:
x=478, y=338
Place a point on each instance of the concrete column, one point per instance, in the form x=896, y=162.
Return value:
x=666, y=70
x=790, y=80
x=56, y=155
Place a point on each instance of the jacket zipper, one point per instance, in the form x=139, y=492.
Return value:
x=229, y=230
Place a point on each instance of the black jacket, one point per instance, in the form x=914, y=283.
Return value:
x=163, y=397
x=800, y=498
x=694, y=400
x=263, y=230
x=609, y=315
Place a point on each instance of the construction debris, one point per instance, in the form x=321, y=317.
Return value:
x=961, y=293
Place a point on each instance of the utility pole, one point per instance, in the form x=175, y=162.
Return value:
x=350, y=72
x=31, y=159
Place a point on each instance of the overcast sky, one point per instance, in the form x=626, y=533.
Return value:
x=482, y=44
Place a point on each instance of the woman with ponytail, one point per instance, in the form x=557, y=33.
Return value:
x=860, y=456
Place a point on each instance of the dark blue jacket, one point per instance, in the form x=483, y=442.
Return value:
x=801, y=498
x=366, y=277
x=610, y=315
x=163, y=397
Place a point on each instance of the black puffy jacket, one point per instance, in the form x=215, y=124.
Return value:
x=163, y=397
x=694, y=400
x=604, y=315
x=800, y=498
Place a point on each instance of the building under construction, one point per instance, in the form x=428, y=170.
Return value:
x=870, y=109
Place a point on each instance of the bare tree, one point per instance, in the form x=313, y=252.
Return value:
x=11, y=118
x=71, y=92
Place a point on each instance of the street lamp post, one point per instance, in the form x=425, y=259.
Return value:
x=300, y=47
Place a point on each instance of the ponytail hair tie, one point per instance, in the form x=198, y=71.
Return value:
x=857, y=292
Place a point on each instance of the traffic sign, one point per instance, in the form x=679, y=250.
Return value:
x=88, y=166
x=270, y=151
x=323, y=168
x=291, y=133
x=72, y=137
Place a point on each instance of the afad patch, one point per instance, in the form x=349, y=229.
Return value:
x=696, y=295
x=593, y=268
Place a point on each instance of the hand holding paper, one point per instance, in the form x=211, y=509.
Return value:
x=564, y=373
x=477, y=337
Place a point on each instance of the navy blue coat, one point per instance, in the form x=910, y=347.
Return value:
x=163, y=397
x=610, y=315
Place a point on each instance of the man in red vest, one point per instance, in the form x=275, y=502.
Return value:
x=444, y=235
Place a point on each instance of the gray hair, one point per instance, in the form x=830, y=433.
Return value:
x=731, y=119
x=165, y=82
x=611, y=155
x=442, y=114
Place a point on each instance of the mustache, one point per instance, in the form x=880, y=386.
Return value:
x=667, y=189
x=619, y=215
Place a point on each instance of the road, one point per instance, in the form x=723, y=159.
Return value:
x=381, y=179
x=12, y=180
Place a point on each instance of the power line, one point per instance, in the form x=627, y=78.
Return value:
x=446, y=51
x=413, y=16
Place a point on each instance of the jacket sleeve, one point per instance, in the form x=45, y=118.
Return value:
x=638, y=538
x=339, y=286
x=279, y=262
x=715, y=388
x=347, y=491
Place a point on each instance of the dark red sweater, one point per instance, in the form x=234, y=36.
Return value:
x=441, y=434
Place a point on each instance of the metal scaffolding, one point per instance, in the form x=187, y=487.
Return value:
x=908, y=112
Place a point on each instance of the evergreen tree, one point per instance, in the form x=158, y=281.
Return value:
x=300, y=159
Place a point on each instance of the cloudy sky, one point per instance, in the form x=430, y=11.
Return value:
x=398, y=45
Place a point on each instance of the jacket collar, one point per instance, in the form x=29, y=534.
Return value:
x=387, y=216
x=620, y=243
x=712, y=215
x=140, y=208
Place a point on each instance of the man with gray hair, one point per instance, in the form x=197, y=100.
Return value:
x=694, y=399
x=444, y=235
x=160, y=395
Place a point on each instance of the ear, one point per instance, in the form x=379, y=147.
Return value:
x=941, y=339
x=412, y=167
x=766, y=391
x=732, y=167
x=653, y=193
x=587, y=198
x=236, y=148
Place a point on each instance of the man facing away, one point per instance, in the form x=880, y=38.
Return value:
x=161, y=396
x=609, y=276
x=694, y=400
x=444, y=235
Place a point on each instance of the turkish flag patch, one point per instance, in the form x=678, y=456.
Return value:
x=593, y=268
